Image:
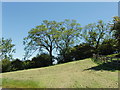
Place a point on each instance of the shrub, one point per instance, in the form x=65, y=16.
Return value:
x=82, y=51
x=27, y=64
x=6, y=65
x=41, y=60
x=17, y=65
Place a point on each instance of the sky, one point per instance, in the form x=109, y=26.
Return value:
x=20, y=17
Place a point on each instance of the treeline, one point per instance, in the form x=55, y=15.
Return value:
x=17, y=64
x=78, y=52
x=68, y=38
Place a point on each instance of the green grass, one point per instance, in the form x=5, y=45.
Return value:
x=19, y=83
x=68, y=75
x=112, y=55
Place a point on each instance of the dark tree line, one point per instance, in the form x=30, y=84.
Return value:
x=68, y=38
x=42, y=60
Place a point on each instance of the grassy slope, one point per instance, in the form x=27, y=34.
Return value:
x=68, y=75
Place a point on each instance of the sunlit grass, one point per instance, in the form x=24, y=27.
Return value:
x=68, y=75
x=112, y=55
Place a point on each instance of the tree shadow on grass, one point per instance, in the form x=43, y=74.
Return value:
x=109, y=66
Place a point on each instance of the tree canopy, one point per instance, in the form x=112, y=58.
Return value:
x=52, y=35
x=69, y=34
x=115, y=27
x=7, y=48
x=95, y=33
x=42, y=37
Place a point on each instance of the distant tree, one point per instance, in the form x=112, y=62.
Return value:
x=17, y=65
x=6, y=48
x=27, y=64
x=41, y=37
x=6, y=65
x=95, y=33
x=41, y=60
x=69, y=33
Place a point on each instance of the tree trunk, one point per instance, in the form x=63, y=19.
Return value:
x=50, y=55
x=97, y=45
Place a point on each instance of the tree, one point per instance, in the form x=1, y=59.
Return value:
x=27, y=64
x=95, y=33
x=41, y=37
x=116, y=29
x=6, y=48
x=69, y=33
x=82, y=51
x=17, y=65
x=107, y=47
x=6, y=65
x=41, y=60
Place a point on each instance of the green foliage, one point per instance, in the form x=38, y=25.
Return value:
x=107, y=47
x=64, y=37
x=17, y=65
x=42, y=37
x=27, y=64
x=82, y=51
x=52, y=35
x=6, y=48
x=70, y=32
x=116, y=29
x=95, y=33
x=6, y=65
x=78, y=52
x=41, y=61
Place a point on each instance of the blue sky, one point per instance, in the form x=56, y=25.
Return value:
x=19, y=18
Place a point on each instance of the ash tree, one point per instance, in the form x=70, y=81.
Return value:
x=41, y=38
x=96, y=33
x=69, y=32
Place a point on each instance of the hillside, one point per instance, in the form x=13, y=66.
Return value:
x=69, y=75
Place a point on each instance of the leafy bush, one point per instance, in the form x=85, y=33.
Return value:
x=17, y=65
x=27, y=64
x=6, y=65
x=82, y=51
x=107, y=47
x=41, y=61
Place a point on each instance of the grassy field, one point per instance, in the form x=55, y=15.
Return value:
x=69, y=75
